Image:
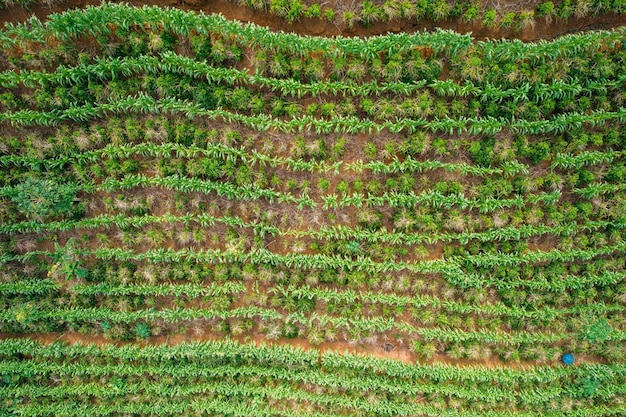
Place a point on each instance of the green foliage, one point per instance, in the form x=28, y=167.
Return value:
x=597, y=332
x=457, y=197
x=471, y=14
x=142, y=330
x=489, y=18
x=482, y=151
x=314, y=10
x=329, y=14
x=353, y=246
x=44, y=199
x=508, y=19
x=590, y=385
x=65, y=261
x=369, y=12
x=290, y=331
x=545, y=9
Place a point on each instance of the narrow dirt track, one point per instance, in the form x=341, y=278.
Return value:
x=319, y=27
x=400, y=353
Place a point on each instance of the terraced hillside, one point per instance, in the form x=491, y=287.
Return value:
x=183, y=191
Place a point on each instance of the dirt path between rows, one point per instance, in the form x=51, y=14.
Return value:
x=320, y=27
x=398, y=353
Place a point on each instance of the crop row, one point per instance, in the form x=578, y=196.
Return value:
x=568, y=282
x=310, y=376
x=318, y=261
x=394, y=199
x=368, y=12
x=282, y=357
x=122, y=221
x=169, y=62
x=348, y=124
x=253, y=157
x=331, y=372
x=104, y=19
x=42, y=286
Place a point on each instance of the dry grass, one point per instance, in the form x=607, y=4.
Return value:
x=508, y=6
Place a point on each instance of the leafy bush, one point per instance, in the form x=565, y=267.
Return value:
x=41, y=199
x=482, y=151
x=599, y=331
x=489, y=18
x=545, y=9
x=290, y=330
x=471, y=14
x=142, y=331
x=314, y=10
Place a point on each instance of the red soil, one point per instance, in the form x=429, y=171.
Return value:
x=399, y=352
x=541, y=29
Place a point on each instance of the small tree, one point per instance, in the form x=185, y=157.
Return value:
x=589, y=386
x=42, y=199
x=489, y=18
x=142, y=330
x=545, y=9
x=599, y=331
x=65, y=262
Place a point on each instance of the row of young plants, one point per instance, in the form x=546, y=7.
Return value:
x=437, y=196
x=32, y=391
x=472, y=68
x=333, y=403
x=446, y=198
x=574, y=283
x=362, y=325
x=187, y=290
x=145, y=104
x=318, y=328
x=433, y=115
x=255, y=101
x=449, y=267
x=343, y=233
x=290, y=297
x=414, y=153
x=167, y=63
x=334, y=371
x=156, y=255
x=369, y=12
x=299, y=298
x=106, y=19
x=346, y=241
x=394, y=199
x=212, y=94
x=36, y=313
x=331, y=233
x=276, y=356
x=600, y=232
x=241, y=240
x=233, y=158
x=405, y=201
x=252, y=157
x=500, y=270
x=541, y=283
x=261, y=255
x=599, y=279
